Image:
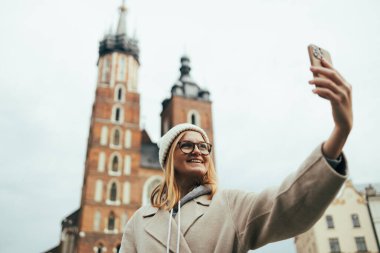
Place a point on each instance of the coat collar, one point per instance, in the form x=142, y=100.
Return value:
x=157, y=222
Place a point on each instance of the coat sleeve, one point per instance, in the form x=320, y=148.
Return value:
x=288, y=210
x=128, y=240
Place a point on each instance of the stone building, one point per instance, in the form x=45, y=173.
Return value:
x=345, y=227
x=122, y=167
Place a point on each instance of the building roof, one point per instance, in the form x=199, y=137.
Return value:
x=120, y=42
x=185, y=86
x=149, y=152
x=71, y=220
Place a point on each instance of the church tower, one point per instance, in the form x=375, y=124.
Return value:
x=114, y=144
x=188, y=103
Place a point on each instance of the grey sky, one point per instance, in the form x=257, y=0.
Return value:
x=251, y=55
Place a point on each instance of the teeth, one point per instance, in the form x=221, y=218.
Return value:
x=195, y=161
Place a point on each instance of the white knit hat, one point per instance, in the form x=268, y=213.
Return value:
x=167, y=139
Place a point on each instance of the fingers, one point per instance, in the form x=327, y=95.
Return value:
x=327, y=94
x=324, y=83
x=331, y=74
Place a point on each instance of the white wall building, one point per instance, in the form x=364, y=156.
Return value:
x=345, y=227
x=373, y=200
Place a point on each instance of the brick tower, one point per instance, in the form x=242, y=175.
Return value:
x=114, y=180
x=188, y=103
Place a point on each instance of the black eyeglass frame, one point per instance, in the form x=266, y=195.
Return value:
x=195, y=144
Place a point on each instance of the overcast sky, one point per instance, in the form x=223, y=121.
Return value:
x=250, y=54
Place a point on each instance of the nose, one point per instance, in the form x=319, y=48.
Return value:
x=196, y=150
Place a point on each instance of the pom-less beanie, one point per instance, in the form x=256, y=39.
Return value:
x=167, y=139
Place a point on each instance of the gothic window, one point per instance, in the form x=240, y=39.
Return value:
x=194, y=118
x=128, y=139
x=127, y=193
x=117, y=248
x=104, y=135
x=334, y=245
x=115, y=164
x=121, y=69
x=117, y=114
x=119, y=93
x=113, y=192
x=101, y=161
x=149, y=186
x=106, y=69
x=360, y=244
x=111, y=222
x=98, y=190
x=329, y=221
x=127, y=165
x=355, y=220
x=116, y=137
x=97, y=220
x=99, y=248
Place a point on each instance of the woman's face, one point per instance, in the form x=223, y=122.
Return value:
x=192, y=166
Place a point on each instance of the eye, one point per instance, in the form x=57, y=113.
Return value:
x=186, y=145
x=203, y=146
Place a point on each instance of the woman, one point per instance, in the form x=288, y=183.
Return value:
x=188, y=214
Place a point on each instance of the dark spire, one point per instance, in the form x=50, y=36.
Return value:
x=119, y=41
x=185, y=86
x=185, y=66
x=121, y=26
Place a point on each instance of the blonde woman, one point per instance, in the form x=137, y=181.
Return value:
x=188, y=213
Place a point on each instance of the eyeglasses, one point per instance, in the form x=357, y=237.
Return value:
x=188, y=147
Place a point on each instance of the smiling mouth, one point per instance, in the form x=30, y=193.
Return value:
x=194, y=161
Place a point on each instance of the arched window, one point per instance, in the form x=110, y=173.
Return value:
x=149, y=186
x=104, y=135
x=119, y=93
x=194, y=118
x=115, y=164
x=98, y=190
x=113, y=192
x=116, y=137
x=97, y=220
x=111, y=222
x=117, y=248
x=117, y=114
x=99, y=248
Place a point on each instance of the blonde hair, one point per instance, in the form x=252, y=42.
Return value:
x=167, y=194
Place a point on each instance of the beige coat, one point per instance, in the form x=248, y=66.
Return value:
x=236, y=221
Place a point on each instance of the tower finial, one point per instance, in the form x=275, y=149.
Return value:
x=121, y=26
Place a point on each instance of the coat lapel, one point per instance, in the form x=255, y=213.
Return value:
x=158, y=222
x=192, y=211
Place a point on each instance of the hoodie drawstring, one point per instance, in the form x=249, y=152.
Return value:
x=170, y=228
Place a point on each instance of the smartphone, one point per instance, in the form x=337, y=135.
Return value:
x=316, y=54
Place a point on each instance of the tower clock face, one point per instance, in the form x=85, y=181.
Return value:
x=191, y=90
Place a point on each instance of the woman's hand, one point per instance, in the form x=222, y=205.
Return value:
x=332, y=86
